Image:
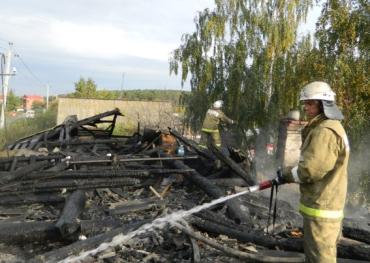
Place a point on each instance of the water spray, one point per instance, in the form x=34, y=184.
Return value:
x=161, y=222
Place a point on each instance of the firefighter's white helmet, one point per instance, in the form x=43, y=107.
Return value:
x=317, y=90
x=218, y=104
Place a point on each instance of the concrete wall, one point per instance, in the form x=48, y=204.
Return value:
x=289, y=142
x=151, y=114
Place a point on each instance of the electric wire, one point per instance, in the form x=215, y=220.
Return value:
x=29, y=70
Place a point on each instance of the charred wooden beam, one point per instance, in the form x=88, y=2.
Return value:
x=192, y=145
x=229, y=182
x=259, y=257
x=73, y=184
x=68, y=221
x=7, y=177
x=25, y=232
x=98, y=226
x=236, y=210
x=250, y=180
x=58, y=131
x=21, y=233
x=93, y=142
x=123, y=160
x=30, y=198
x=346, y=248
x=84, y=245
x=138, y=205
x=357, y=229
x=27, y=159
x=79, y=174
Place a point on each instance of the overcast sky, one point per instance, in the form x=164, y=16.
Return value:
x=60, y=41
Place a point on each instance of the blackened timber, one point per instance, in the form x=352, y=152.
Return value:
x=74, y=184
x=236, y=210
x=229, y=182
x=138, y=205
x=250, y=257
x=138, y=159
x=108, y=172
x=98, y=226
x=7, y=177
x=27, y=159
x=58, y=131
x=232, y=165
x=25, y=232
x=20, y=233
x=30, y=198
x=68, y=221
x=192, y=145
x=357, y=229
x=79, y=174
x=85, y=245
x=345, y=248
x=353, y=249
x=90, y=142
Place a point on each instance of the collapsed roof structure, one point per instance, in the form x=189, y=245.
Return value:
x=68, y=190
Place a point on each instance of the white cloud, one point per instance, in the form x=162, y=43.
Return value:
x=106, y=41
x=100, y=39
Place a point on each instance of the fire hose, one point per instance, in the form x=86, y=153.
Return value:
x=274, y=185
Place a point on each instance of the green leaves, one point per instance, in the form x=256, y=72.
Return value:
x=85, y=88
x=232, y=55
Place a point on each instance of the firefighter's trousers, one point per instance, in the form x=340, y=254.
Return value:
x=320, y=239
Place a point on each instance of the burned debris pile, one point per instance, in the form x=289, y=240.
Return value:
x=79, y=193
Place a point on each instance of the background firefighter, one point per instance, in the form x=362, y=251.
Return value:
x=321, y=173
x=210, y=128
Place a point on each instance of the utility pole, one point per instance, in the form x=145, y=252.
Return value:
x=5, y=75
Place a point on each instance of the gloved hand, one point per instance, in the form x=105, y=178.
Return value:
x=279, y=179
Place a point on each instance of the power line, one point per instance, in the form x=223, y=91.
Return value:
x=29, y=70
x=31, y=80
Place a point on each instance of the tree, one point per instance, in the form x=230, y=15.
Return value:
x=85, y=89
x=13, y=101
x=235, y=53
x=344, y=45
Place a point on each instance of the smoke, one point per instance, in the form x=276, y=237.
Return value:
x=358, y=198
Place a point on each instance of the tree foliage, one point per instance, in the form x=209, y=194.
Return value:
x=235, y=55
x=88, y=89
x=247, y=53
x=13, y=101
x=85, y=88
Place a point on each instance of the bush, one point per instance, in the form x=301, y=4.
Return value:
x=26, y=127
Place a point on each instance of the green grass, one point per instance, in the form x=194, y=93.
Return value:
x=26, y=127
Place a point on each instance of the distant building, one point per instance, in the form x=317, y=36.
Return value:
x=29, y=100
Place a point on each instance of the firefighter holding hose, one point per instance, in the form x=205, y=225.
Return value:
x=210, y=129
x=321, y=173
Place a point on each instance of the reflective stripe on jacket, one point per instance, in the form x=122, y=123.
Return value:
x=322, y=169
x=213, y=119
x=332, y=214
